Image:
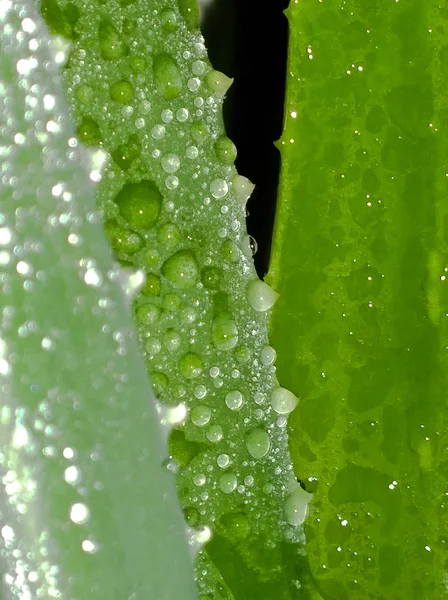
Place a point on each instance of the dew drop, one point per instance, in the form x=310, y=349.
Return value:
x=225, y=150
x=268, y=355
x=79, y=513
x=249, y=245
x=228, y=483
x=171, y=340
x=147, y=314
x=234, y=400
x=214, y=434
x=219, y=188
x=217, y=82
x=170, y=163
x=223, y=461
x=191, y=365
x=260, y=295
x=296, y=506
x=224, y=333
x=258, y=443
x=201, y=415
x=171, y=182
x=158, y=131
x=167, y=76
x=139, y=203
x=242, y=187
x=283, y=401
x=230, y=251
x=181, y=269
x=121, y=92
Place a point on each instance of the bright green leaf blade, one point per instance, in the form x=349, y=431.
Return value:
x=139, y=84
x=360, y=261
x=87, y=509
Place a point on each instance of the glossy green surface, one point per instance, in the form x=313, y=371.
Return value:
x=140, y=86
x=360, y=261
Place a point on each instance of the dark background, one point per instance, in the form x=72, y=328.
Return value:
x=247, y=40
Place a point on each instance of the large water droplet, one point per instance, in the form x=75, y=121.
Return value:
x=147, y=314
x=242, y=187
x=218, y=82
x=123, y=240
x=283, y=401
x=258, y=443
x=224, y=333
x=121, y=92
x=191, y=365
x=181, y=269
x=228, y=483
x=111, y=45
x=234, y=400
x=139, y=203
x=260, y=295
x=296, y=506
x=219, y=188
x=225, y=150
x=167, y=76
x=170, y=163
x=201, y=415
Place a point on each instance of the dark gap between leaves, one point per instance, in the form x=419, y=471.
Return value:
x=247, y=40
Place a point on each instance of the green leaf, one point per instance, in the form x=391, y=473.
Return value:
x=140, y=87
x=81, y=444
x=360, y=261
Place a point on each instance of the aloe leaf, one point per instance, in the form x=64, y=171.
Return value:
x=360, y=261
x=81, y=447
x=140, y=86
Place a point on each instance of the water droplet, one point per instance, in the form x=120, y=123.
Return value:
x=296, y=506
x=138, y=64
x=72, y=475
x=170, y=163
x=283, y=401
x=223, y=461
x=192, y=152
x=249, y=245
x=170, y=465
x=89, y=132
x=147, y=314
x=197, y=538
x=260, y=296
x=169, y=235
x=191, y=365
x=224, y=333
x=171, y=340
x=121, y=92
x=234, y=400
x=230, y=251
x=236, y=525
x=79, y=513
x=198, y=67
x=188, y=315
x=181, y=269
x=139, y=203
x=111, y=46
x=152, y=286
x=242, y=187
x=167, y=115
x=168, y=19
x=84, y=94
x=126, y=154
x=268, y=355
x=153, y=346
x=225, y=150
x=171, y=182
x=258, y=443
x=242, y=354
x=144, y=107
x=171, y=303
x=159, y=382
x=228, y=482
x=200, y=391
x=199, y=479
x=123, y=240
x=158, y=131
x=167, y=76
x=211, y=277
x=219, y=188
x=199, y=132
x=218, y=82
x=201, y=415
x=214, y=434
x=182, y=115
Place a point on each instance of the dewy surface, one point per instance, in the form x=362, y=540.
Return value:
x=80, y=445
x=361, y=323
x=140, y=86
